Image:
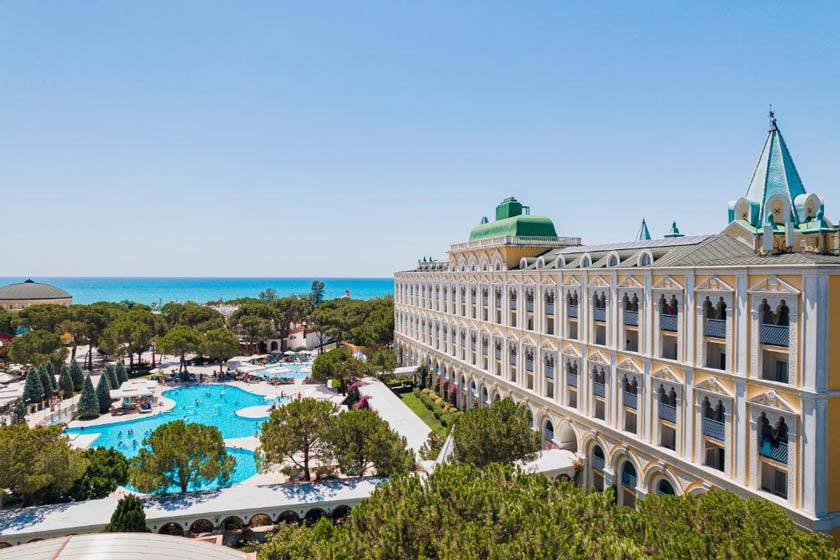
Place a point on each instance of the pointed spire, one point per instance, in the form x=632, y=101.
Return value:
x=644, y=234
x=775, y=174
x=674, y=231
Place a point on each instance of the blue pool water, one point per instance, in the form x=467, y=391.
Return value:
x=214, y=405
x=290, y=370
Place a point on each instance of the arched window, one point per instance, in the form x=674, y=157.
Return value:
x=665, y=488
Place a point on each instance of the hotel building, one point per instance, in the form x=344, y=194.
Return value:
x=668, y=365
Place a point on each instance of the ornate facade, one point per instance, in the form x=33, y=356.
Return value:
x=668, y=365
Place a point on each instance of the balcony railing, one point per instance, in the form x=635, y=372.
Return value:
x=631, y=318
x=668, y=322
x=513, y=305
x=778, y=452
x=775, y=335
x=715, y=328
x=572, y=311
x=628, y=480
x=484, y=301
x=572, y=379
x=597, y=463
x=549, y=309
x=667, y=412
x=600, y=314
x=549, y=371
x=713, y=428
x=529, y=306
x=631, y=400
x=529, y=365
x=598, y=389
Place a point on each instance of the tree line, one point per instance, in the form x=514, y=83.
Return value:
x=479, y=506
x=127, y=330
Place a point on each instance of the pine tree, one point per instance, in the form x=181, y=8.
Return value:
x=33, y=390
x=103, y=394
x=45, y=382
x=65, y=383
x=129, y=517
x=111, y=372
x=122, y=374
x=76, y=375
x=88, y=403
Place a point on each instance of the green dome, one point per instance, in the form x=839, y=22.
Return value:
x=511, y=222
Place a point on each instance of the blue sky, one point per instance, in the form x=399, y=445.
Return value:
x=349, y=138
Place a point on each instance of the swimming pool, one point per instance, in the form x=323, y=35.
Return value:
x=296, y=370
x=214, y=405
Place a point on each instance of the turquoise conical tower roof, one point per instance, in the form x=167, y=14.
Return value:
x=644, y=234
x=674, y=231
x=774, y=174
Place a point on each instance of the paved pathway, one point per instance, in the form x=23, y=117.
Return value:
x=391, y=408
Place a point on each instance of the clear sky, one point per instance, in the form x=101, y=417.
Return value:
x=350, y=138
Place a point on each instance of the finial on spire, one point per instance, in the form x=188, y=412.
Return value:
x=772, y=115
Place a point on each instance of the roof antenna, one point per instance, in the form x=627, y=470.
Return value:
x=772, y=115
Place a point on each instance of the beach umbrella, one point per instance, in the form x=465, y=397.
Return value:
x=289, y=353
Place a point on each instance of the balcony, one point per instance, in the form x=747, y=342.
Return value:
x=600, y=314
x=628, y=480
x=529, y=306
x=549, y=309
x=778, y=452
x=775, y=335
x=631, y=318
x=597, y=463
x=572, y=379
x=483, y=301
x=668, y=322
x=667, y=412
x=598, y=389
x=715, y=328
x=513, y=305
x=572, y=311
x=713, y=429
x=631, y=400
x=529, y=365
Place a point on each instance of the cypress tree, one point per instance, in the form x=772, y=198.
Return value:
x=129, y=516
x=18, y=412
x=111, y=372
x=65, y=383
x=48, y=367
x=122, y=374
x=33, y=390
x=88, y=403
x=103, y=394
x=76, y=375
x=45, y=382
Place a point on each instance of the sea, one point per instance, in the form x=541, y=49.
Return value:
x=150, y=290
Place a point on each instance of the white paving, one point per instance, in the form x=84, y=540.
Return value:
x=240, y=500
x=391, y=408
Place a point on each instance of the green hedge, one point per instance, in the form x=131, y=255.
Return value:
x=444, y=412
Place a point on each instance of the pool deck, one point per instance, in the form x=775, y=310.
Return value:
x=391, y=408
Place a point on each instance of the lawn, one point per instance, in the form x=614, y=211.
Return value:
x=420, y=410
